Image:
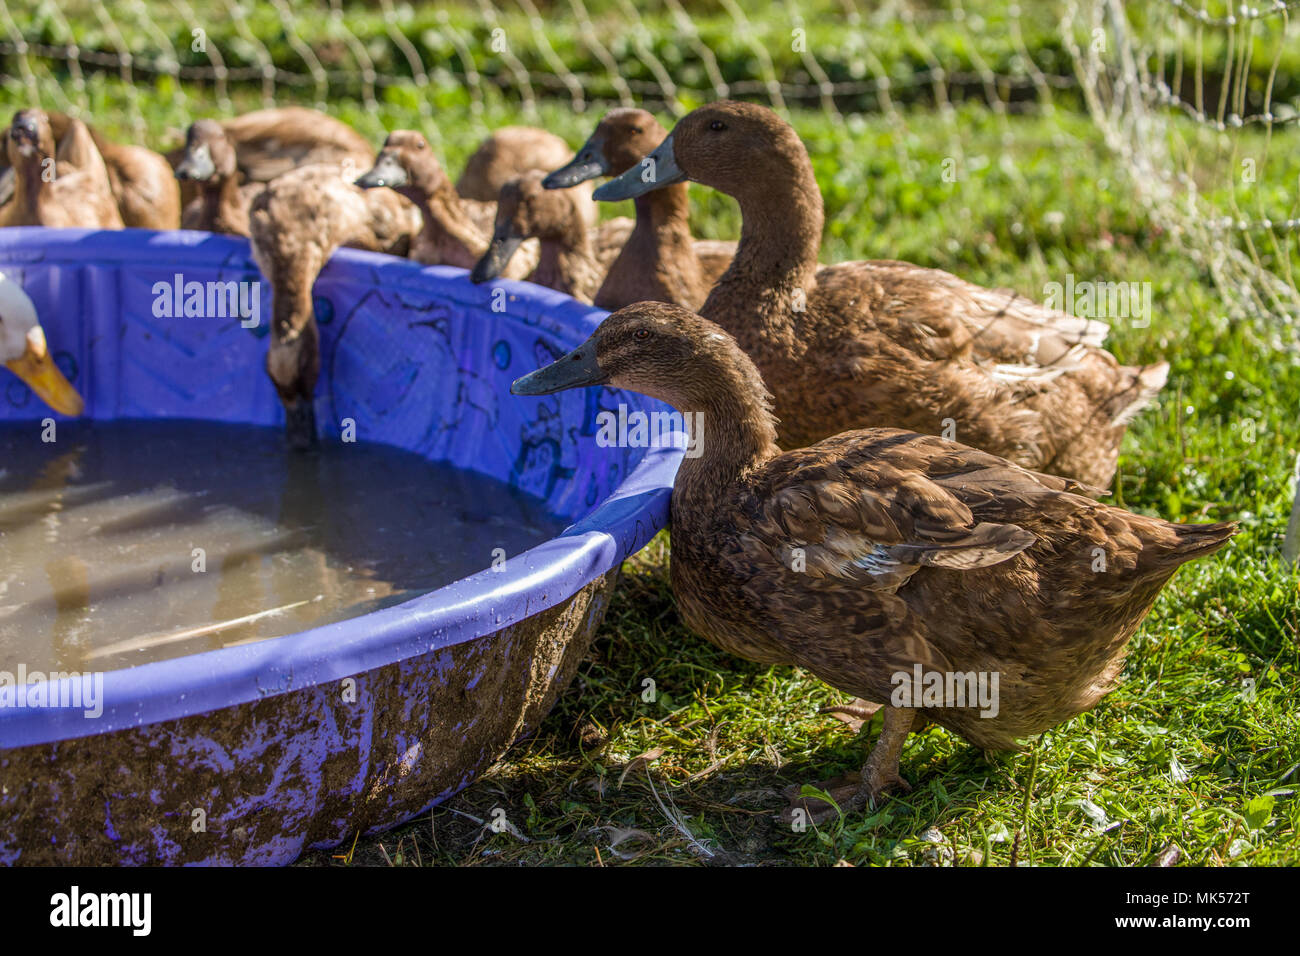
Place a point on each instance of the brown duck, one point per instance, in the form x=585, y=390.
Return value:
x=261, y=146
x=865, y=342
x=511, y=151
x=63, y=187
x=269, y=143
x=572, y=258
x=296, y=224
x=455, y=230
x=211, y=163
x=660, y=261
x=140, y=179
x=877, y=553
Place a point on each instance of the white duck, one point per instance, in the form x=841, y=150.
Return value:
x=24, y=351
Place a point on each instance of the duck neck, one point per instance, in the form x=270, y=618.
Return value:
x=566, y=262
x=658, y=261
x=732, y=431
x=27, y=189
x=664, y=214
x=760, y=299
x=221, y=199
x=447, y=224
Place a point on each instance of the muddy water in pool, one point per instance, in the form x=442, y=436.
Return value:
x=98, y=532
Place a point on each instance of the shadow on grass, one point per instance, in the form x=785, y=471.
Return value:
x=694, y=776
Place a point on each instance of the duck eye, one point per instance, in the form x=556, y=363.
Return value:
x=641, y=334
x=717, y=126
x=419, y=144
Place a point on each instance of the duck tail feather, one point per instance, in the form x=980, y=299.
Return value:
x=1142, y=384
x=1193, y=541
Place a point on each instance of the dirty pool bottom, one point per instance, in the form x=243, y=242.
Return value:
x=128, y=542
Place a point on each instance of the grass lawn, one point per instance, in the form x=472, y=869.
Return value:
x=1199, y=747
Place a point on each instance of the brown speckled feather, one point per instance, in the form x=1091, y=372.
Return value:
x=920, y=551
x=877, y=551
x=891, y=343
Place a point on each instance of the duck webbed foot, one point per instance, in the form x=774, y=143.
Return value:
x=852, y=792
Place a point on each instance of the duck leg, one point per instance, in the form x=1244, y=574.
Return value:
x=879, y=775
x=856, y=714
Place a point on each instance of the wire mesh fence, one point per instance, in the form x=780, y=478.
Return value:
x=1192, y=97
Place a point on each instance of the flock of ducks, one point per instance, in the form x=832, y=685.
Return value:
x=807, y=532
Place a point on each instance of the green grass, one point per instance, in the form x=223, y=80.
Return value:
x=1180, y=755
x=850, y=45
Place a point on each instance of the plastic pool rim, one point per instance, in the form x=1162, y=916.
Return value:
x=482, y=604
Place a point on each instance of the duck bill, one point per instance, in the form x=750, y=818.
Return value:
x=578, y=369
x=386, y=172
x=496, y=259
x=37, y=369
x=197, y=165
x=588, y=164
x=657, y=170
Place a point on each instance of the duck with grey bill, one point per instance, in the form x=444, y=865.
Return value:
x=657, y=170
x=588, y=164
x=497, y=257
x=387, y=171
x=197, y=164
x=578, y=369
x=909, y=545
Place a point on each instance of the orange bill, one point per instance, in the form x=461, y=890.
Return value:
x=37, y=369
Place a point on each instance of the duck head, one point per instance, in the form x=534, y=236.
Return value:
x=736, y=148
x=406, y=165
x=525, y=210
x=209, y=154
x=30, y=138
x=618, y=143
x=24, y=351
x=659, y=350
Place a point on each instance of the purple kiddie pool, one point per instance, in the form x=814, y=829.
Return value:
x=253, y=753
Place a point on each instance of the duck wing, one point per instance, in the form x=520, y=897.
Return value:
x=1017, y=338
x=873, y=507
x=271, y=142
